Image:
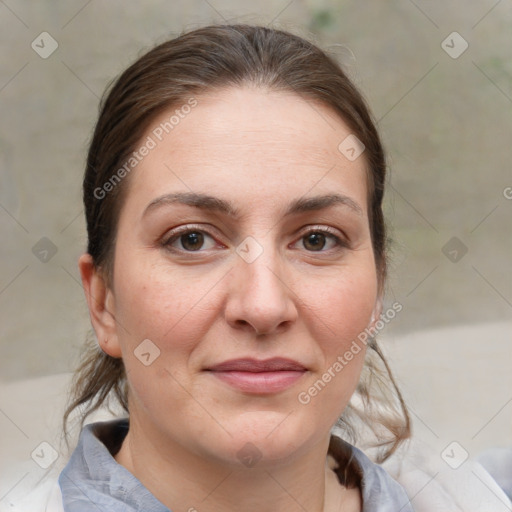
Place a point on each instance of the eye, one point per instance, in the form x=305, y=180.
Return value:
x=321, y=240
x=190, y=240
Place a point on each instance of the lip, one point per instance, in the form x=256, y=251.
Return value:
x=259, y=376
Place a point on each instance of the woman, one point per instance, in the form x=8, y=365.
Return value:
x=234, y=276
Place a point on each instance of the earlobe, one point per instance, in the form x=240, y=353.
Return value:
x=377, y=311
x=100, y=300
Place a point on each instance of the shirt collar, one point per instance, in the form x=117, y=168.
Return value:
x=93, y=480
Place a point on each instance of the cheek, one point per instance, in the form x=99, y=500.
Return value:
x=173, y=312
x=170, y=308
x=338, y=311
x=343, y=307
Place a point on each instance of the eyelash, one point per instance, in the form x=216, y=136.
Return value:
x=340, y=243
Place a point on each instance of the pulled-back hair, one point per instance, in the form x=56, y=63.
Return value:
x=169, y=75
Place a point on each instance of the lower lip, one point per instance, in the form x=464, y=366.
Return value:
x=260, y=382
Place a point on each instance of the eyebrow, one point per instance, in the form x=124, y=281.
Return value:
x=211, y=203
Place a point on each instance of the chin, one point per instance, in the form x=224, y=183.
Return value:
x=268, y=438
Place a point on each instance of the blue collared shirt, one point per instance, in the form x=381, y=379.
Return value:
x=93, y=481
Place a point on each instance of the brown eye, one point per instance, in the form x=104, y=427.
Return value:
x=192, y=241
x=321, y=240
x=314, y=241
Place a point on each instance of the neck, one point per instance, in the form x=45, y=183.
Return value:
x=195, y=483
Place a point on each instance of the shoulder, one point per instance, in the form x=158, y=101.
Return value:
x=433, y=484
x=498, y=463
x=46, y=497
x=54, y=500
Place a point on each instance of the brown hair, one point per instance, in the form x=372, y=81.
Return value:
x=169, y=75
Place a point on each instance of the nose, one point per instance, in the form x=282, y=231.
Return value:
x=260, y=299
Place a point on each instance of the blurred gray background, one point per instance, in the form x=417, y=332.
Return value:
x=445, y=114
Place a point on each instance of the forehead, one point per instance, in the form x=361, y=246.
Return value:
x=269, y=142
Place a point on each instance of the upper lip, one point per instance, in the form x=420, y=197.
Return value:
x=248, y=364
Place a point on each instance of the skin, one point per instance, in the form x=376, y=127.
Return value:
x=260, y=150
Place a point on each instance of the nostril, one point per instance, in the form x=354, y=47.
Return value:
x=263, y=332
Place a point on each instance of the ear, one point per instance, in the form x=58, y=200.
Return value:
x=100, y=300
x=377, y=311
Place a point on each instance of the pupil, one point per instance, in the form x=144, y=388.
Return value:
x=316, y=241
x=192, y=241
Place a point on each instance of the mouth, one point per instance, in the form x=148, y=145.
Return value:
x=259, y=376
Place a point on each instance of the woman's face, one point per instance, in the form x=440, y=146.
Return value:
x=243, y=269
